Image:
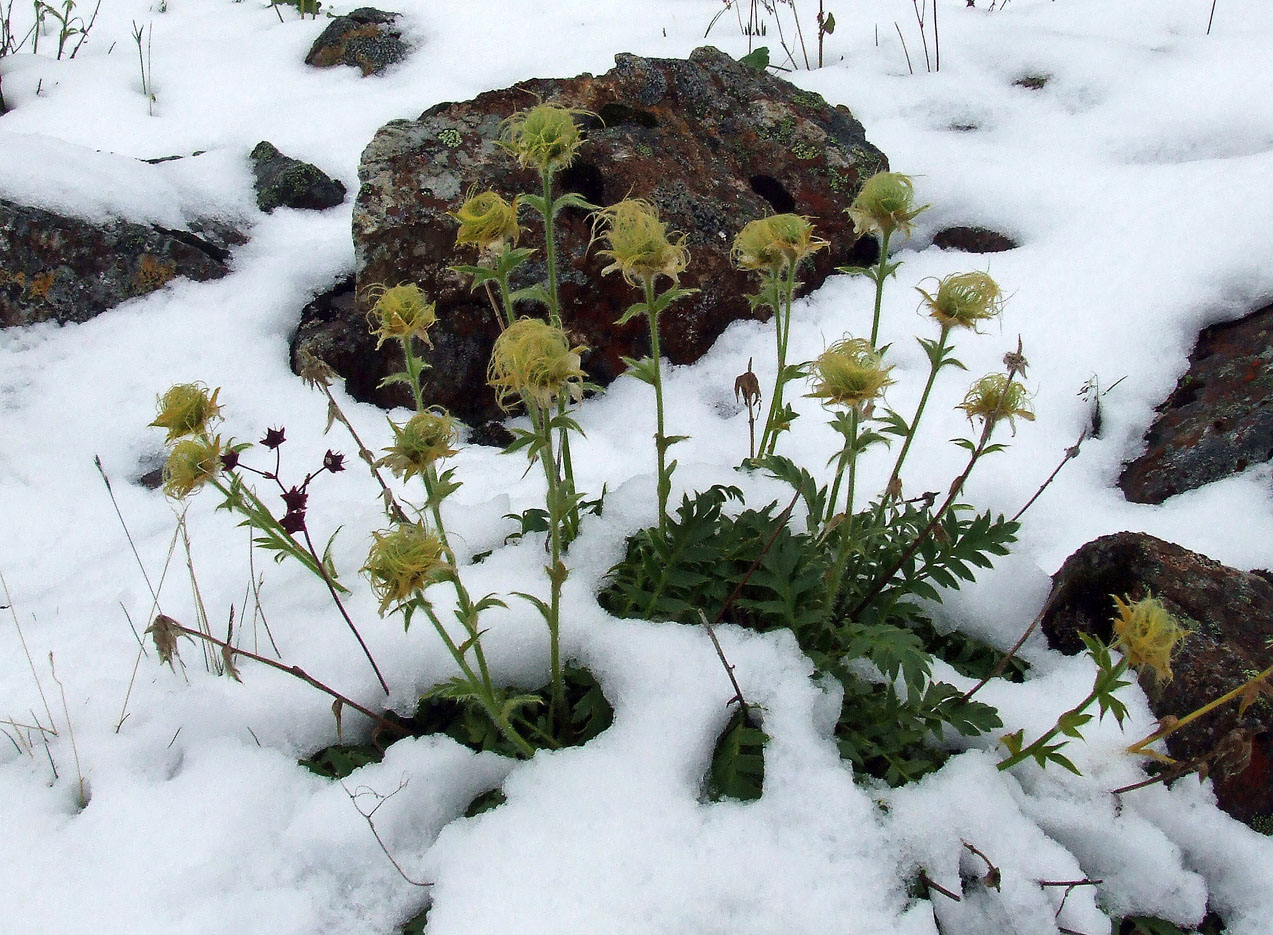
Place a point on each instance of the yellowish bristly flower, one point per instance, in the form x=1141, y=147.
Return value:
x=533, y=360
x=1147, y=634
x=191, y=464
x=849, y=373
x=546, y=137
x=963, y=300
x=775, y=243
x=404, y=560
x=401, y=313
x=885, y=204
x=187, y=409
x=640, y=246
x=487, y=221
x=995, y=397
x=425, y=438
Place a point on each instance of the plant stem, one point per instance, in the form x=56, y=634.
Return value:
x=392, y=508
x=846, y=527
x=556, y=571
x=936, y=365
x=295, y=671
x=1027, y=752
x=880, y=275
x=784, y=298
x=550, y=252
x=664, y=484
x=1139, y=746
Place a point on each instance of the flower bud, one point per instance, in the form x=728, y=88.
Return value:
x=995, y=397
x=545, y=137
x=1147, y=633
x=426, y=437
x=187, y=409
x=533, y=360
x=775, y=243
x=404, y=560
x=849, y=373
x=640, y=245
x=487, y=221
x=191, y=464
x=401, y=313
x=964, y=299
x=886, y=203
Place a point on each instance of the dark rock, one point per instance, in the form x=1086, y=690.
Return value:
x=1232, y=614
x=365, y=38
x=713, y=143
x=330, y=325
x=492, y=434
x=973, y=240
x=1032, y=82
x=1219, y=419
x=282, y=181
x=55, y=268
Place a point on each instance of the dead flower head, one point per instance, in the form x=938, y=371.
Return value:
x=404, y=560
x=546, y=137
x=849, y=373
x=775, y=243
x=640, y=246
x=533, y=360
x=886, y=203
x=963, y=300
x=1147, y=633
x=187, y=409
x=995, y=397
x=164, y=632
x=487, y=221
x=401, y=313
x=425, y=438
x=191, y=464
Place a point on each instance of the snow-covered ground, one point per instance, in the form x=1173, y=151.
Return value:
x=1137, y=181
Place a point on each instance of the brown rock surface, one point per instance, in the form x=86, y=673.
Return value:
x=1219, y=419
x=713, y=143
x=1232, y=613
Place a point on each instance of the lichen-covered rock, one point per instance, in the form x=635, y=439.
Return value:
x=1232, y=616
x=711, y=142
x=63, y=269
x=365, y=38
x=282, y=181
x=1219, y=419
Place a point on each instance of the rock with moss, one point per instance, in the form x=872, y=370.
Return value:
x=367, y=39
x=711, y=143
x=285, y=182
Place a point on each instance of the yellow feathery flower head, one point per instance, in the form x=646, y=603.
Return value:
x=191, y=464
x=545, y=137
x=886, y=203
x=404, y=560
x=1147, y=633
x=187, y=409
x=426, y=437
x=964, y=299
x=849, y=373
x=640, y=245
x=533, y=360
x=775, y=242
x=487, y=221
x=401, y=313
x=995, y=397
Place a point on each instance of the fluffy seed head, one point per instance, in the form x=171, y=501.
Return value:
x=401, y=313
x=427, y=437
x=849, y=373
x=1147, y=633
x=533, y=360
x=962, y=300
x=640, y=246
x=775, y=243
x=191, y=464
x=545, y=137
x=404, y=560
x=995, y=397
x=187, y=409
x=487, y=221
x=885, y=204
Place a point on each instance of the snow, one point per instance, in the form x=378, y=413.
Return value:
x=1136, y=182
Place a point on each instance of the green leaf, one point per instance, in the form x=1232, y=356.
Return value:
x=572, y=200
x=536, y=293
x=738, y=761
x=757, y=59
x=828, y=24
x=632, y=311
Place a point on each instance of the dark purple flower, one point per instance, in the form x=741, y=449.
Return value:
x=229, y=459
x=273, y=438
x=295, y=500
x=334, y=461
x=293, y=521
